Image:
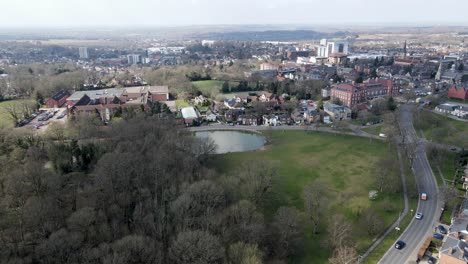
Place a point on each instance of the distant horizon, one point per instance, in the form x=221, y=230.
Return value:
x=266, y=26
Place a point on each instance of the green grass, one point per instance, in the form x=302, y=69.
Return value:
x=209, y=88
x=5, y=119
x=345, y=163
x=374, y=130
x=446, y=165
x=182, y=103
x=438, y=128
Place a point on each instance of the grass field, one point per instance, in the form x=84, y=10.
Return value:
x=209, y=88
x=345, y=163
x=182, y=103
x=5, y=119
x=442, y=129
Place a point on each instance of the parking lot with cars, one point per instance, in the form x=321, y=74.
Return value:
x=44, y=117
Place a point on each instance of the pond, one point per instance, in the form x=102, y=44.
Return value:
x=233, y=141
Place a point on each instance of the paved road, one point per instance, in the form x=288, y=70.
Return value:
x=418, y=230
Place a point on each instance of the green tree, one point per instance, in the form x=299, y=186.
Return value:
x=391, y=105
x=225, y=87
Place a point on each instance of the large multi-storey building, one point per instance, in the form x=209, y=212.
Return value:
x=133, y=58
x=351, y=94
x=83, y=51
x=326, y=48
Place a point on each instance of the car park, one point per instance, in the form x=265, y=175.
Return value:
x=419, y=215
x=400, y=244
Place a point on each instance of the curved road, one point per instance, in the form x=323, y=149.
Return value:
x=418, y=230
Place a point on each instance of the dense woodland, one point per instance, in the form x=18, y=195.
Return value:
x=140, y=194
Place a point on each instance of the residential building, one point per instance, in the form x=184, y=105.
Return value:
x=83, y=52
x=461, y=112
x=268, y=66
x=458, y=92
x=454, y=249
x=200, y=99
x=337, y=58
x=293, y=55
x=232, y=114
x=337, y=112
x=57, y=100
x=190, y=115
x=446, y=108
x=249, y=120
x=351, y=94
x=211, y=117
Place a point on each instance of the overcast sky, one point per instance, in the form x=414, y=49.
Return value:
x=65, y=13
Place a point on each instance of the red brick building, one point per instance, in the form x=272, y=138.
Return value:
x=57, y=100
x=458, y=92
x=107, y=101
x=351, y=94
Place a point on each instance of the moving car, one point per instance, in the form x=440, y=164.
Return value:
x=400, y=244
x=419, y=215
x=442, y=229
x=424, y=196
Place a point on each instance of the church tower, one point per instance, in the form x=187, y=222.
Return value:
x=439, y=73
x=404, y=50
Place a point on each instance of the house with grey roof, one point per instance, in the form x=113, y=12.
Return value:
x=454, y=249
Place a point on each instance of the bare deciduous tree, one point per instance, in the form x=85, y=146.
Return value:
x=343, y=255
x=339, y=231
x=240, y=253
x=315, y=202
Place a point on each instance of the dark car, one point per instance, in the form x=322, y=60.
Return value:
x=400, y=244
x=442, y=229
x=438, y=236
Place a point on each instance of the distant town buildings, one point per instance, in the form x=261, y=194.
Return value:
x=208, y=43
x=83, y=52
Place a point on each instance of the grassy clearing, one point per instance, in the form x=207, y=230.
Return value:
x=446, y=165
x=438, y=128
x=182, y=103
x=5, y=119
x=209, y=88
x=345, y=163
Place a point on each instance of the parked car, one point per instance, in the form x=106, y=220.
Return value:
x=442, y=229
x=419, y=215
x=400, y=244
x=424, y=196
x=438, y=236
